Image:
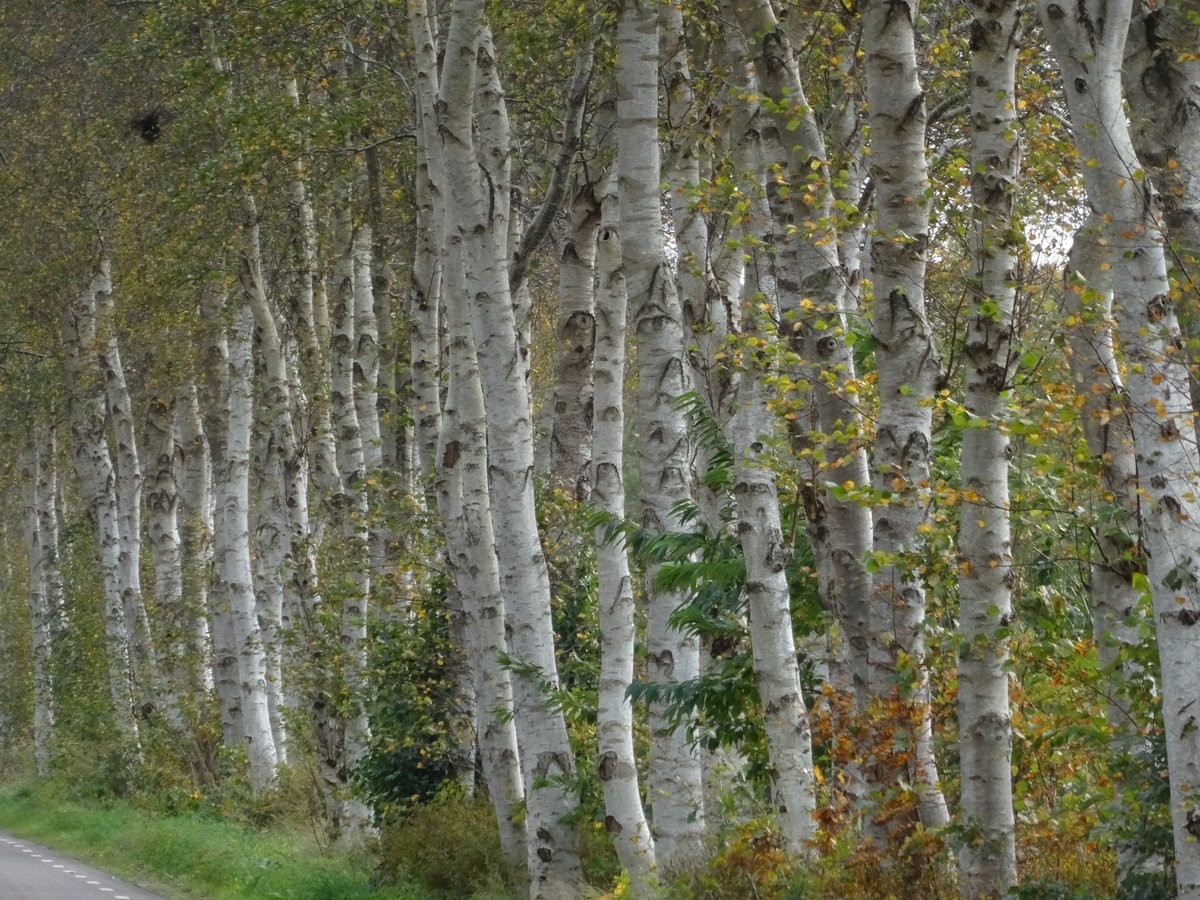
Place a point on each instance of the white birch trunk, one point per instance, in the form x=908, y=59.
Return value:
x=477, y=227
x=350, y=507
x=461, y=483
x=1162, y=82
x=97, y=478
x=41, y=552
x=196, y=512
x=216, y=430
x=840, y=531
x=1089, y=42
x=1107, y=429
x=575, y=328
x=760, y=533
x=625, y=818
x=148, y=686
x=233, y=485
x=988, y=864
x=674, y=783
x=162, y=506
x=908, y=369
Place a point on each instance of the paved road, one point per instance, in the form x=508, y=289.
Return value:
x=30, y=872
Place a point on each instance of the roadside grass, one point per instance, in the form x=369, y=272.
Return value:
x=196, y=855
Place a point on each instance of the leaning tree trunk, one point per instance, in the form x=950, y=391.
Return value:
x=625, y=818
x=147, y=682
x=674, y=784
x=477, y=227
x=988, y=864
x=908, y=368
x=1088, y=39
x=760, y=533
x=461, y=467
x=97, y=479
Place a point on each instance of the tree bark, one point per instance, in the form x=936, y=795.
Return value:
x=1089, y=42
x=674, y=783
x=988, y=863
x=908, y=370
x=625, y=818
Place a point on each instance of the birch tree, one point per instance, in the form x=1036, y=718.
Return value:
x=674, y=781
x=45, y=585
x=988, y=863
x=97, y=478
x=908, y=370
x=626, y=818
x=1089, y=44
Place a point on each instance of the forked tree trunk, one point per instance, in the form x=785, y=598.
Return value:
x=1088, y=39
x=461, y=484
x=477, y=227
x=97, y=479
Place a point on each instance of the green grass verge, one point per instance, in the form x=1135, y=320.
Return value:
x=191, y=855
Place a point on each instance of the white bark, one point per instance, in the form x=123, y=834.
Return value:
x=41, y=552
x=1089, y=42
x=216, y=430
x=674, y=783
x=760, y=533
x=233, y=486
x=908, y=369
x=988, y=864
x=350, y=507
x=194, y=474
x=461, y=480
x=477, y=227
x=162, y=506
x=148, y=686
x=575, y=328
x=840, y=531
x=625, y=818
x=1118, y=554
x=97, y=478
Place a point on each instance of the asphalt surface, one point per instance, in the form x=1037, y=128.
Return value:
x=31, y=872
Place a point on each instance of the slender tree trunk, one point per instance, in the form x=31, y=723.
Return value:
x=1118, y=551
x=674, y=784
x=988, y=864
x=1089, y=42
x=150, y=692
x=908, y=369
x=234, y=497
x=216, y=429
x=461, y=476
x=94, y=469
x=162, y=506
x=196, y=513
x=625, y=818
x=760, y=532
x=479, y=195
x=41, y=551
x=571, y=431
